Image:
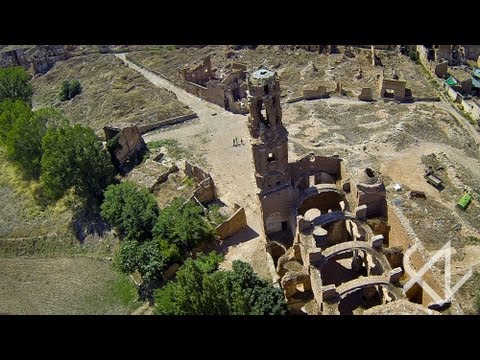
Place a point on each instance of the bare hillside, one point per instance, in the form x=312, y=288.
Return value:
x=112, y=93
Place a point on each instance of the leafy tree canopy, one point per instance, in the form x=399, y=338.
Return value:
x=183, y=224
x=132, y=209
x=73, y=156
x=10, y=112
x=149, y=258
x=15, y=84
x=201, y=289
x=24, y=139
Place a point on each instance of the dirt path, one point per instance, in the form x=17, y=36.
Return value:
x=211, y=137
x=406, y=166
x=445, y=105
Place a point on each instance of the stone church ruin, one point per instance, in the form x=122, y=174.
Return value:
x=315, y=218
x=227, y=90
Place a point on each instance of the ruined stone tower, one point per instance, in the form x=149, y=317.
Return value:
x=270, y=150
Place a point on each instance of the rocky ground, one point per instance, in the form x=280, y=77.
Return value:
x=296, y=68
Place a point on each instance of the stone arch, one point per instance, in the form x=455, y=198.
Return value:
x=324, y=200
x=350, y=246
x=276, y=250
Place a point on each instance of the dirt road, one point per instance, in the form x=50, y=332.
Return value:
x=211, y=137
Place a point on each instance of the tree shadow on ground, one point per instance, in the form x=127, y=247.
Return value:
x=242, y=236
x=87, y=222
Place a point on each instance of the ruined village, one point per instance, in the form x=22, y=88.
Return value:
x=267, y=180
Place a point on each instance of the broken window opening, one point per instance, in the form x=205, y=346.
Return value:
x=271, y=157
x=261, y=114
x=265, y=89
x=388, y=93
x=264, y=117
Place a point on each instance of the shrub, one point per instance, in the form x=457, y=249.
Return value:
x=70, y=89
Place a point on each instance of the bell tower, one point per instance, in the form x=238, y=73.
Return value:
x=270, y=150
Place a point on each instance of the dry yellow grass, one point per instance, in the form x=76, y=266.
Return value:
x=112, y=94
x=20, y=213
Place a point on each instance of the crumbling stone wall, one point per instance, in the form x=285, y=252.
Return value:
x=195, y=172
x=455, y=54
x=369, y=190
x=46, y=56
x=42, y=58
x=398, y=87
x=311, y=92
x=472, y=108
x=439, y=67
x=13, y=58
x=471, y=51
x=366, y=94
x=125, y=145
x=374, y=197
x=234, y=224
x=162, y=178
x=275, y=210
x=205, y=192
x=200, y=74
x=226, y=91
x=318, y=165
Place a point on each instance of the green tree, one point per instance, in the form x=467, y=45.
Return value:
x=188, y=295
x=166, y=302
x=132, y=209
x=255, y=295
x=154, y=256
x=24, y=144
x=182, y=223
x=24, y=139
x=75, y=157
x=150, y=258
x=70, y=89
x=201, y=289
x=126, y=258
x=15, y=84
x=10, y=112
